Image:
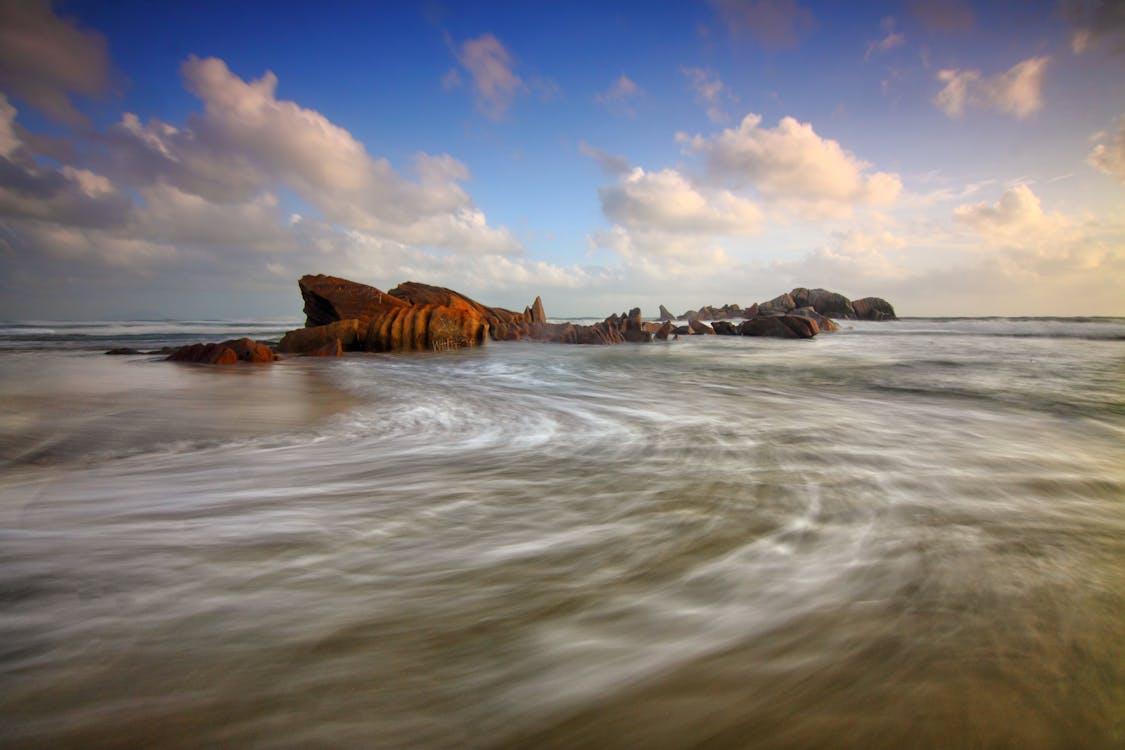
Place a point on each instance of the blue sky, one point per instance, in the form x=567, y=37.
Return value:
x=193, y=160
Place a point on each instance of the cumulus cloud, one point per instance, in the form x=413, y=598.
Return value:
x=491, y=68
x=1018, y=225
x=45, y=59
x=709, y=91
x=1109, y=153
x=247, y=141
x=1017, y=91
x=792, y=165
x=666, y=201
x=774, y=23
x=619, y=95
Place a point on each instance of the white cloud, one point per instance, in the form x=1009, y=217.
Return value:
x=491, y=68
x=792, y=165
x=1109, y=155
x=774, y=23
x=617, y=97
x=891, y=40
x=709, y=91
x=247, y=141
x=1017, y=91
x=665, y=201
x=1035, y=240
x=44, y=59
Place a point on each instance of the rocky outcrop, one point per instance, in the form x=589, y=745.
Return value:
x=724, y=328
x=873, y=308
x=330, y=298
x=665, y=331
x=825, y=324
x=782, y=303
x=535, y=314
x=707, y=312
x=665, y=314
x=699, y=327
x=225, y=353
x=349, y=334
x=779, y=326
x=503, y=325
x=830, y=304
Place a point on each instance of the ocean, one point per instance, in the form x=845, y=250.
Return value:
x=903, y=534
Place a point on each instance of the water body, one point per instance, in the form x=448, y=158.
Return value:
x=906, y=534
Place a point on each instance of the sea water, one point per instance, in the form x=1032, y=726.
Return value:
x=903, y=534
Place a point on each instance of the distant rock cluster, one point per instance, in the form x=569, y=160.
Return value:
x=347, y=316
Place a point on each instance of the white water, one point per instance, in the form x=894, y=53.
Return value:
x=906, y=534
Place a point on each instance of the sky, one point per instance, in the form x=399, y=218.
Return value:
x=193, y=160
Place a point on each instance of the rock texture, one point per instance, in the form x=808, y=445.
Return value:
x=665, y=314
x=873, y=308
x=225, y=353
x=779, y=326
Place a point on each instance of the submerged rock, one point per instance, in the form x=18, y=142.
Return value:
x=225, y=353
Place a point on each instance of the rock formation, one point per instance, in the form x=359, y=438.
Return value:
x=779, y=326
x=724, y=328
x=873, y=308
x=225, y=353
x=665, y=314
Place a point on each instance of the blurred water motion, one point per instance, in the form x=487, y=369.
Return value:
x=902, y=535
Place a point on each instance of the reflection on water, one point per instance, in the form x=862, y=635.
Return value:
x=859, y=541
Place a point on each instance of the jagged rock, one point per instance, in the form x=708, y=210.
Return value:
x=349, y=333
x=873, y=308
x=782, y=303
x=724, y=328
x=826, y=303
x=779, y=326
x=700, y=327
x=535, y=314
x=824, y=323
x=665, y=331
x=751, y=311
x=503, y=325
x=665, y=314
x=689, y=315
x=330, y=298
x=707, y=312
x=632, y=327
x=682, y=330
x=225, y=353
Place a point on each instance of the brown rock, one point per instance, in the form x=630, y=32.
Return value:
x=724, y=328
x=665, y=314
x=781, y=304
x=426, y=328
x=665, y=331
x=751, y=311
x=225, y=353
x=329, y=298
x=779, y=326
x=699, y=327
x=826, y=303
x=825, y=324
x=536, y=314
x=873, y=308
x=503, y=325
x=349, y=333
x=332, y=349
